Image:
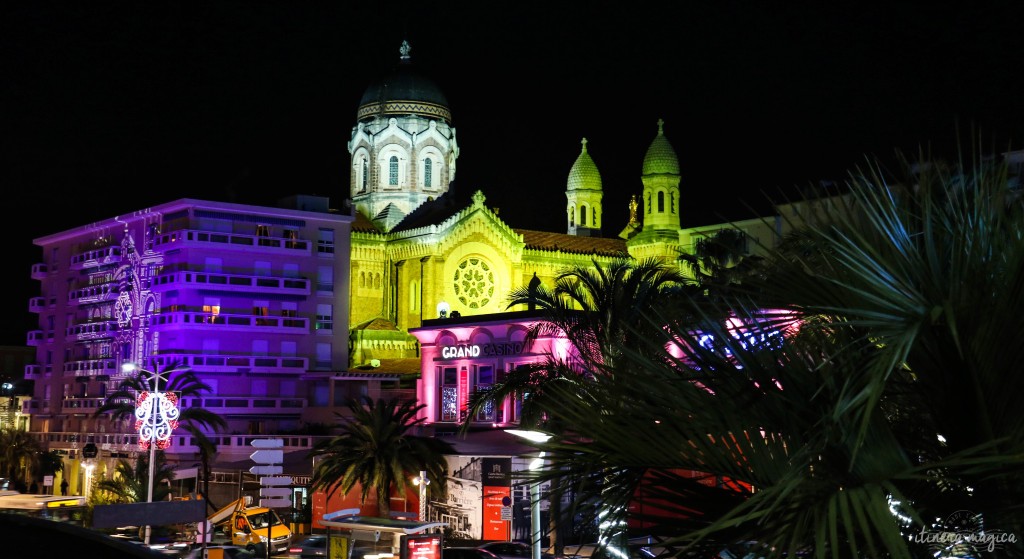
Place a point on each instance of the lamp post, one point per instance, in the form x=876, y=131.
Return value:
x=535, y=464
x=422, y=482
x=88, y=480
x=156, y=417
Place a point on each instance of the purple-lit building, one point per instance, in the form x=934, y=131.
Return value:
x=252, y=299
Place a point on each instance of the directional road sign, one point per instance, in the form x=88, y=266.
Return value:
x=275, y=502
x=278, y=480
x=275, y=491
x=268, y=456
x=266, y=470
x=267, y=443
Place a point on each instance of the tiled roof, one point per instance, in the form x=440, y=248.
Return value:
x=600, y=246
x=364, y=225
x=376, y=324
x=403, y=366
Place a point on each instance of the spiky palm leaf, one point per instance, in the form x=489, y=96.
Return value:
x=130, y=482
x=910, y=306
x=377, y=450
x=19, y=453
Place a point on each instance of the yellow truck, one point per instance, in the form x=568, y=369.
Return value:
x=249, y=526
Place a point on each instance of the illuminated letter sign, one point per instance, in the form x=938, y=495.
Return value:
x=457, y=351
x=487, y=350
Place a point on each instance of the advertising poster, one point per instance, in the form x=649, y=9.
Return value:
x=497, y=498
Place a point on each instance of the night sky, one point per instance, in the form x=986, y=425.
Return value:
x=108, y=107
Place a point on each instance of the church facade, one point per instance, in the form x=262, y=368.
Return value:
x=415, y=256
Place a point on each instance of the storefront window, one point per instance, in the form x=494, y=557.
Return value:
x=484, y=380
x=449, y=394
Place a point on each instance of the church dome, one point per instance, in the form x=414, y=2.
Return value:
x=402, y=92
x=584, y=174
x=661, y=158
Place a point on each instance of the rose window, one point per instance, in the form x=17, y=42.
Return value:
x=474, y=283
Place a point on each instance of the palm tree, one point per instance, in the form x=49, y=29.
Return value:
x=377, y=450
x=130, y=482
x=19, y=454
x=196, y=420
x=50, y=463
x=877, y=401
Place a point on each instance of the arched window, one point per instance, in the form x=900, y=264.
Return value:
x=583, y=216
x=428, y=173
x=572, y=217
x=414, y=295
x=366, y=175
x=661, y=202
x=393, y=171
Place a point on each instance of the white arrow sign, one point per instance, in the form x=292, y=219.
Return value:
x=275, y=491
x=267, y=443
x=266, y=470
x=268, y=456
x=279, y=480
x=273, y=502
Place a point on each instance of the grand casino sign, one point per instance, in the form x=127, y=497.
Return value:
x=463, y=351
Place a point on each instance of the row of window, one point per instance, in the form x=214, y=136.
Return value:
x=475, y=377
x=428, y=175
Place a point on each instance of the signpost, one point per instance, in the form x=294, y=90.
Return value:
x=269, y=456
x=266, y=470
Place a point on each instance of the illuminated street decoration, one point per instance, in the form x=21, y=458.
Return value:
x=156, y=417
x=123, y=309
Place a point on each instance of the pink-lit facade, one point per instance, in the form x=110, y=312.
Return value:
x=462, y=355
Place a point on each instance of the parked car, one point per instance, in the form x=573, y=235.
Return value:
x=466, y=553
x=512, y=550
x=310, y=547
x=223, y=552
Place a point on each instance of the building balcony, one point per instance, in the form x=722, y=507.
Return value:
x=39, y=271
x=94, y=294
x=229, y=447
x=91, y=331
x=96, y=258
x=79, y=406
x=230, y=282
x=205, y=363
x=33, y=372
x=229, y=322
x=91, y=367
x=190, y=238
x=36, y=337
x=36, y=304
x=247, y=405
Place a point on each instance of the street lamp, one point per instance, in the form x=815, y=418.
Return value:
x=535, y=464
x=156, y=417
x=88, y=480
x=422, y=481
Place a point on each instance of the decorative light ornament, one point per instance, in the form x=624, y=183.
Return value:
x=123, y=309
x=156, y=418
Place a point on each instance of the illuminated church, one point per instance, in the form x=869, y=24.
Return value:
x=415, y=255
